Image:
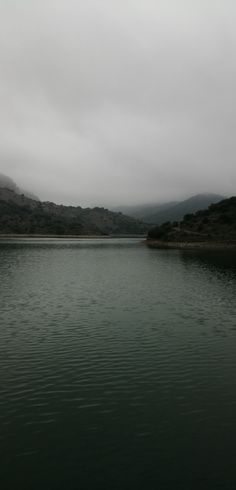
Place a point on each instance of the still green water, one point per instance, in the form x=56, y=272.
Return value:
x=117, y=366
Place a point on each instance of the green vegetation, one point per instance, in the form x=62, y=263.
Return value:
x=19, y=214
x=217, y=223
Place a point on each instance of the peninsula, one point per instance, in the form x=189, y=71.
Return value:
x=214, y=227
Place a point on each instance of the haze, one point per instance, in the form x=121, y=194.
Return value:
x=118, y=102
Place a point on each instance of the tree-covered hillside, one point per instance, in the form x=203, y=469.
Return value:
x=217, y=223
x=19, y=214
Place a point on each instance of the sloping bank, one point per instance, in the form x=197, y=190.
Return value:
x=212, y=228
x=204, y=245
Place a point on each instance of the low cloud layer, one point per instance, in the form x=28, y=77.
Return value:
x=118, y=102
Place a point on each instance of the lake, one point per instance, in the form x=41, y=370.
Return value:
x=117, y=366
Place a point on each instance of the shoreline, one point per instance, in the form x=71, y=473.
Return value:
x=214, y=245
x=13, y=236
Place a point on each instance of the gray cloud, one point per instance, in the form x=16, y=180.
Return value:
x=118, y=102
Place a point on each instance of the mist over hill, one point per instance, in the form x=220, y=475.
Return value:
x=171, y=211
x=20, y=214
x=144, y=211
x=215, y=224
x=8, y=183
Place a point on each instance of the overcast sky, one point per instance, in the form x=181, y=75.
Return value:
x=118, y=101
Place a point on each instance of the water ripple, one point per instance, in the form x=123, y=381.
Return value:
x=117, y=366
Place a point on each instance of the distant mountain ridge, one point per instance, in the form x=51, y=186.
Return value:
x=172, y=211
x=178, y=211
x=143, y=211
x=22, y=215
x=215, y=224
x=22, y=211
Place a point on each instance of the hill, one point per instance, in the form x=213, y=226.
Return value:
x=177, y=211
x=144, y=211
x=7, y=182
x=170, y=211
x=215, y=224
x=22, y=215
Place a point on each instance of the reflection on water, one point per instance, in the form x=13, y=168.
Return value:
x=117, y=366
x=215, y=260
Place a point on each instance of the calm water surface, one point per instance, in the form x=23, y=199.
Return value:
x=117, y=366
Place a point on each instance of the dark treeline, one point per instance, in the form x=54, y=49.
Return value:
x=218, y=222
x=19, y=214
